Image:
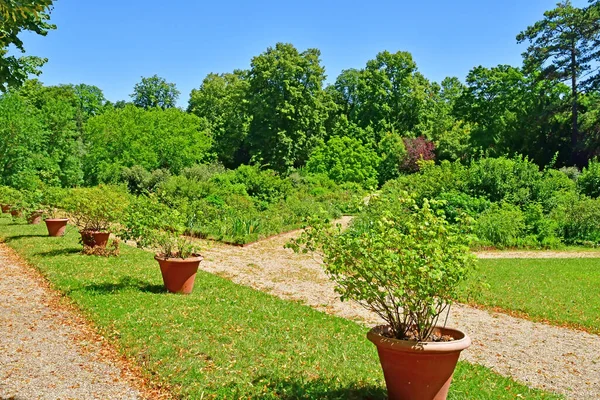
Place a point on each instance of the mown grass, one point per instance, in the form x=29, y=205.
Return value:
x=561, y=291
x=224, y=340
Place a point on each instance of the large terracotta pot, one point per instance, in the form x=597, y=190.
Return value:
x=179, y=274
x=5, y=208
x=418, y=370
x=94, y=239
x=56, y=226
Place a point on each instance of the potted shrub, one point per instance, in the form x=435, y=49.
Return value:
x=404, y=262
x=8, y=199
x=31, y=207
x=95, y=211
x=154, y=225
x=52, y=201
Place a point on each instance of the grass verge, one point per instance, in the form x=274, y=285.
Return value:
x=561, y=291
x=224, y=340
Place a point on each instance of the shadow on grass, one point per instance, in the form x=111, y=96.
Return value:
x=8, y=239
x=126, y=283
x=293, y=389
x=59, y=252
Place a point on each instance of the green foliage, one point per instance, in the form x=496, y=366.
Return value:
x=22, y=139
x=153, y=224
x=501, y=225
x=153, y=139
x=502, y=178
x=140, y=181
x=287, y=104
x=344, y=159
x=393, y=153
x=578, y=219
x=400, y=260
x=96, y=209
x=223, y=101
x=154, y=92
x=17, y=17
x=589, y=180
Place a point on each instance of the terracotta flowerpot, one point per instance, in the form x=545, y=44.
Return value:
x=179, y=274
x=5, y=208
x=35, y=218
x=93, y=238
x=418, y=370
x=56, y=226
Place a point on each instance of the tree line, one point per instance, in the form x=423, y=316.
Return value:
x=370, y=125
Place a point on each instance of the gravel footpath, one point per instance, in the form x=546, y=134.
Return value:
x=46, y=350
x=538, y=355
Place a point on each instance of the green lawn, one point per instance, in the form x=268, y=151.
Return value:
x=561, y=291
x=224, y=340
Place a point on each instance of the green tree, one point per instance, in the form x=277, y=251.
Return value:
x=169, y=139
x=222, y=100
x=155, y=92
x=15, y=17
x=510, y=112
x=21, y=142
x=288, y=106
x=565, y=46
x=389, y=94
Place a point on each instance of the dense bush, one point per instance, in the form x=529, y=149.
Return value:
x=153, y=139
x=589, y=180
x=96, y=209
x=498, y=179
x=345, y=159
x=501, y=225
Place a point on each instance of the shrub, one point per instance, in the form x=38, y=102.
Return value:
x=430, y=181
x=577, y=219
x=552, y=184
x=417, y=149
x=140, y=181
x=501, y=225
x=456, y=204
x=498, y=179
x=345, y=159
x=589, y=180
x=401, y=261
x=393, y=154
x=96, y=209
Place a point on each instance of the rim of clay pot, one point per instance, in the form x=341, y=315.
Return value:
x=56, y=219
x=461, y=341
x=179, y=260
x=92, y=232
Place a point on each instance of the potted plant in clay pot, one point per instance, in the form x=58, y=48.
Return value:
x=95, y=211
x=404, y=262
x=154, y=225
x=8, y=199
x=52, y=201
x=30, y=206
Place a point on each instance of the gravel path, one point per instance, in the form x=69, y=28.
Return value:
x=46, y=350
x=539, y=355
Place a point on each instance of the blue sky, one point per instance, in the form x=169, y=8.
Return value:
x=112, y=44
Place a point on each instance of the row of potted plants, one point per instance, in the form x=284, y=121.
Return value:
x=101, y=211
x=398, y=259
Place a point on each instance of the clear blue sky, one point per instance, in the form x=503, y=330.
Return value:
x=111, y=44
